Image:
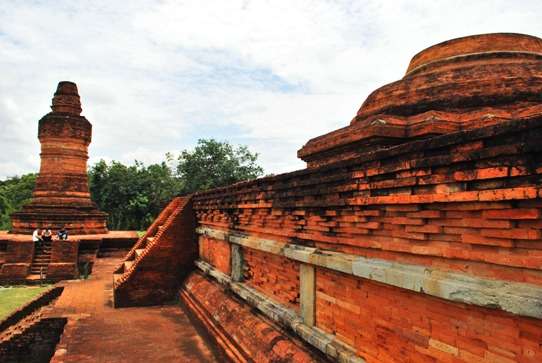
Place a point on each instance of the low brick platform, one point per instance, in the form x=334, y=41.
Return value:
x=95, y=332
x=18, y=257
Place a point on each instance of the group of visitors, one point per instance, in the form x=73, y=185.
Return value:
x=46, y=235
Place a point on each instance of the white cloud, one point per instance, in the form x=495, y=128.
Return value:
x=156, y=75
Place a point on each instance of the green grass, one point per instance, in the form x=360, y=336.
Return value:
x=11, y=298
x=141, y=233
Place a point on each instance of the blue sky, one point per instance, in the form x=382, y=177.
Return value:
x=154, y=76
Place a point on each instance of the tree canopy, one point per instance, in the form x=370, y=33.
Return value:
x=133, y=195
x=213, y=164
x=14, y=192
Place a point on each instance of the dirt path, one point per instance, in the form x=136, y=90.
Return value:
x=96, y=332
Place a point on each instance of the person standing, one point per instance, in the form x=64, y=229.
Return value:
x=36, y=237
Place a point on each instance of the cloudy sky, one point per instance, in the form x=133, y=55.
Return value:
x=154, y=76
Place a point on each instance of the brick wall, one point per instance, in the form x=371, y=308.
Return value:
x=387, y=324
x=466, y=204
x=275, y=276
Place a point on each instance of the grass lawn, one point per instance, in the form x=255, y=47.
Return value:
x=12, y=298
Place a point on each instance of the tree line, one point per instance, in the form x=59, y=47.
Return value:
x=133, y=195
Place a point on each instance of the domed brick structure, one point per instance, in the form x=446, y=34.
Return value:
x=61, y=196
x=456, y=85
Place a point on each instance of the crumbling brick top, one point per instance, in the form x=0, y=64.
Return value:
x=459, y=84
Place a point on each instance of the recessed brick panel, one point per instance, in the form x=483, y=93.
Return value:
x=276, y=276
x=215, y=252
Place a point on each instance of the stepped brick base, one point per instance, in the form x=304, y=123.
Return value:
x=18, y=259
x=243, y=335
x=61, y=197
x=77, y=220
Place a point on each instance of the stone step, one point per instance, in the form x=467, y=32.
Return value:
x=38, y=272
x=41, y=260
x=39, y=266
x=116, y=277
x=139, y=251
x=127, y=265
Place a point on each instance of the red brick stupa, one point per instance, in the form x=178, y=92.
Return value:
x=61, y=196
x=456, y=85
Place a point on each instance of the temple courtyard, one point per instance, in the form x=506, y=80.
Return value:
x=414, y=234
x=96, y=332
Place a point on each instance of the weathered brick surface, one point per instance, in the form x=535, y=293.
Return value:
x=18, y=259
x=61, y=196
x=456, y=85
x=441, y=169
x=276, y=276
x=155, y=276
x=466, y=202
x=216, y=253
x=35, y=344
x=393, y=325
x=242, y=334
x=390, y=203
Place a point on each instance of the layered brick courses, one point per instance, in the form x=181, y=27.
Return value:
x=394, y=325
x=18, y=259
x=456, y=85
x=61, y=196
x=275, y=276
x=243, y=335
x=216, y=252
x=467, y=202
x=413, y=235
x=422, y=199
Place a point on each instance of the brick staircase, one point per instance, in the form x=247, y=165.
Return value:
x=154, y=265
x=41, y=259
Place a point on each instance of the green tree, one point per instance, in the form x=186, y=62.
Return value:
x=14, y=192
x=131, y=195
x=214, y=164
x=134, y=195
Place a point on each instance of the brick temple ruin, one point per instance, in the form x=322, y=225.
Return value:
x=61, y=198
x=413, y=235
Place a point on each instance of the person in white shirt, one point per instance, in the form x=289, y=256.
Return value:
x=36, y=236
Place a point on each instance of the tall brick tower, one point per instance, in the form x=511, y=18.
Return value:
x=61, y=196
